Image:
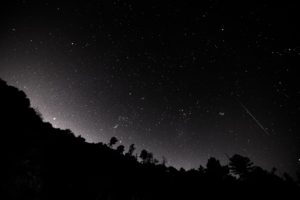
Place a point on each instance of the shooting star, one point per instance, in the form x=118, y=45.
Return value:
x=253, y=117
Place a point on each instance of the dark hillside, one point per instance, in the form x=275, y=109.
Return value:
x=39, y=161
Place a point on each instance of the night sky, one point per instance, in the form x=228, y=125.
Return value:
x=184, y=80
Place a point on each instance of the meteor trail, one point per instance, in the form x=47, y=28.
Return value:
x=253, y=117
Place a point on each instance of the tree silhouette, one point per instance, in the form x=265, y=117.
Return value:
x=131, y=150
x=215, y=170
x=273, y=170
x=112, y=141
x=120, y=149
x=240, y=165
x=164, y=161
x=146, y=156
x=201, y=169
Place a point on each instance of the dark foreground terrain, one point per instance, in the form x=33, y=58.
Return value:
x=42, y=162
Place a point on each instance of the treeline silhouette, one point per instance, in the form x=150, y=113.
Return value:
x=39, y=161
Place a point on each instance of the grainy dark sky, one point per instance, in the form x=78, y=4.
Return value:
x=183, y=79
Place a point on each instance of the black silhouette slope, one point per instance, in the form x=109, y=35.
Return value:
x=42, y=162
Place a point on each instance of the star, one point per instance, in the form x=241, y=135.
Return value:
x=221, y=113
x=116, y=126
x=116, y=81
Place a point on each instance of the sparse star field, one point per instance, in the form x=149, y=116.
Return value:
x=184, y=80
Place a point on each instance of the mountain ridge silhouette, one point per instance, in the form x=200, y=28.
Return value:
x=39, y=161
